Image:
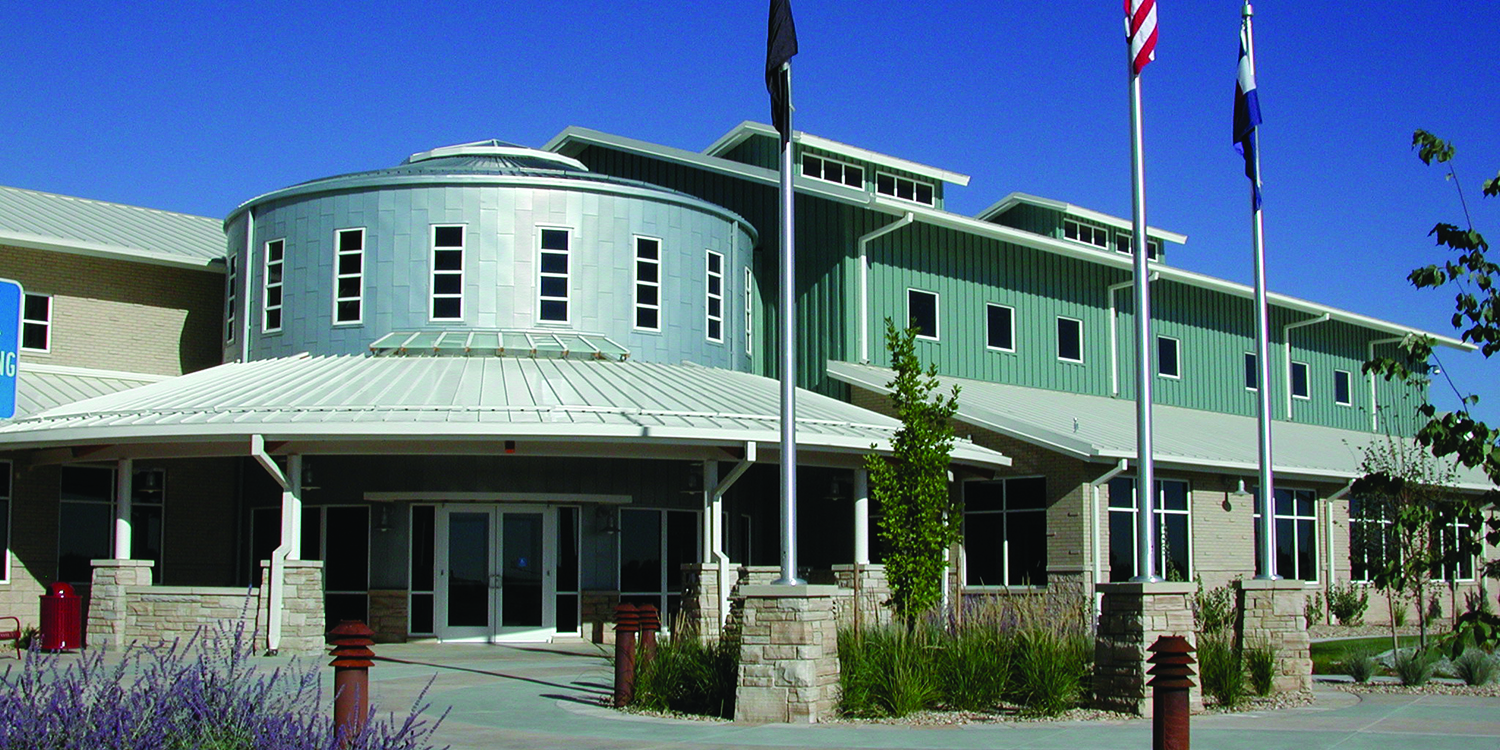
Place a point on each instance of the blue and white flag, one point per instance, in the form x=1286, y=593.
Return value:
x=1247, y=110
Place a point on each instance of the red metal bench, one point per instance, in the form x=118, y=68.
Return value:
x=12, y=634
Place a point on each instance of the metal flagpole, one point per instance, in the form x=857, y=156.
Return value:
x=788, y=356
x=1145, y=479
x=1266, y=553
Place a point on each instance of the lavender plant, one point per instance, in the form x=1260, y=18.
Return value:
x=204, y=693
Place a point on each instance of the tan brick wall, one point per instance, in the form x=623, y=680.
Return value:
x=119, y=315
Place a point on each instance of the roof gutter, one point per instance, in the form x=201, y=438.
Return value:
x=863, y=313
x=1286, y=342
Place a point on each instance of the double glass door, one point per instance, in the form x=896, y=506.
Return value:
x=496, y=573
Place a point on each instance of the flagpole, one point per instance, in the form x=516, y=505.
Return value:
x=1262, y=344
x=788, y=355
x=1145, y=478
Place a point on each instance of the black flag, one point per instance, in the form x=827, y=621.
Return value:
x=781, y=44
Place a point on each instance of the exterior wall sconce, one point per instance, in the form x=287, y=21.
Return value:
x=606, y=518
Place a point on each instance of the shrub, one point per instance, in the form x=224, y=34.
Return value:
x=199, y=694
x=1475, y=667
x=1260, y=662
x=1360, y=665
x=973, y=667
x=1398, y=613
x=1220, y=668
x=1213, y=610
x=1348, y=603
x=1415, y=667
x=887, y=672
x=1312, y=610
x=689, y=676
x=1050, y=668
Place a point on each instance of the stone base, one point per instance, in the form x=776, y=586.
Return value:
x=388, y=615
x=789, y=665
x=1132, y=617
x=109, y=619
x=700, y=598
x=1271, y=612
x=303, y=622
x=864, y=596
x=599, y=616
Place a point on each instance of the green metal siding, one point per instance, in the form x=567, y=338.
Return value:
x=759, y=151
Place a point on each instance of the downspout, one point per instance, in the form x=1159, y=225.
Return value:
x=249, y=275
x=863, y=314
x=1114, y=344
x=1370, y=352
x=1096, y=542
x=1286, y=343
x=291, y=496
x=718, y=542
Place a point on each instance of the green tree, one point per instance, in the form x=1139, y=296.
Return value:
x=919, y=516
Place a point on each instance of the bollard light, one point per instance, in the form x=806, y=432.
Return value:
x=626, y=625
x=1170, y=658
x=351, y=677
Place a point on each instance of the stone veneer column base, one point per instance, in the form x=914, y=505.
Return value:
x=700, y=598
x=863, y=588
x=109, y=606
x=1271, y=612
x=303, y=623
x=1133, y=616
x=789, y=662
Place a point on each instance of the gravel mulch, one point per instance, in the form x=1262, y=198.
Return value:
x=1491, y=690
x=1272, y=702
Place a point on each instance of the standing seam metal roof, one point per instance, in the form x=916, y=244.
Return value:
x=29, y=218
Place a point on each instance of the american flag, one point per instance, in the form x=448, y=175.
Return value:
x=1140, y=29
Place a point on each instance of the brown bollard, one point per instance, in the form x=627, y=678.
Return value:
x=1170, y=657
x=650, y=625
x=351, y=677
x=626, y=624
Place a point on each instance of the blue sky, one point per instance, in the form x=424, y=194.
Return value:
x=197, y=107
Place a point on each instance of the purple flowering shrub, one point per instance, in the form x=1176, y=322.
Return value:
x=204, y=694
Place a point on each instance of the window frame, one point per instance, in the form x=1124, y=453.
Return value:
x=566, y=276
x=1252, y=370
x=267, y=285
x=1153, y=247
x=359, y=299
x=1296, y=521
x=138, y=534
x=1291, y=380
x=1004, y=512
x=896, y=181
x=749, y=312
x=1010, y=314
x=636, y=306
x=1176, y=374
x=1078, y=322
x=823, y=162
x=937, y=313
x=1366, y=519
x=1159, y=507
x=664, y=594
x=231, y=297
x=1445, y=542
x=45, y=324
x=1095, y=230
x=433, y=273
x=709, y=296
x=1348, y=388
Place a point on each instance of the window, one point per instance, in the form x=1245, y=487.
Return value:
x=1299, y=379
x=648, y=539
x=1296, y=520
x=647, y=284
x=36, y=323
x=339, y=535
x=148, y=492
x=1000, y=327
x=903, y=188
x=1372, y=538
x=86, y=519
x=714, y=283
x=349, y=275
x=5, y=484
x=1123, y=240
x=552, y=295
x=1005, y=532
x=829, y=170
x=275, y=261
x=448, y=272
x=1173, y=517
x=1252, y=372
x=423, y=563
x=1088, y=234
x=1069, y=339
x=231, y=292
x=922, y=313
x=1341, y=388
x=1450, y=536
x=1167, y=364
x=749, y=312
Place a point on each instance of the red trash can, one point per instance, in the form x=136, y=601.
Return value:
x=62, y=619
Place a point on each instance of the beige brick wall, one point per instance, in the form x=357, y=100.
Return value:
x=120, y=315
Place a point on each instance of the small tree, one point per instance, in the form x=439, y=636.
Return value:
x=919, y=517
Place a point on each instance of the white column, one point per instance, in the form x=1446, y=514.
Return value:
x=124, y=471
x=713, y=526
x=291, y=508
x=861, y=517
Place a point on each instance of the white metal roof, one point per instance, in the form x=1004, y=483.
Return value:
x=45, y=221
x=42, y=387
x=1096, y=427
x=411, y=399
x=1016, y=199
x=748, y=129
x=573, y=140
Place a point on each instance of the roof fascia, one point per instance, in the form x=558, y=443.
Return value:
x=1015, y=199
x=110, y=252
x=90, y=372
x=748, y=129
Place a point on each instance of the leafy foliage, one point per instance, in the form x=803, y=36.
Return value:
x=1260, y=662
x=1221, y=668
x=919, y=517
x=1348, y=603
x=1214, y=610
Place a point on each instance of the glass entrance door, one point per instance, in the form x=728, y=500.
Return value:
x=496, y=577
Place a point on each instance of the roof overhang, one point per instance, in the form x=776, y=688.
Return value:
x=1017, y=199
x=111, y=252
x=749, y=129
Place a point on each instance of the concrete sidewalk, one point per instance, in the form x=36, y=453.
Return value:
x=551, y=696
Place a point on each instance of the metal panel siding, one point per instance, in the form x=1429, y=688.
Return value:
x=758, y=151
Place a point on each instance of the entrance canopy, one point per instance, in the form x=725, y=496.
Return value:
x=364, y=404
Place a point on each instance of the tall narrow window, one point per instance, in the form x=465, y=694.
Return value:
x=1167, y=363
x=1070, y=340
x=1341, y=388
x=231, y=294
x=85, y=516
x=448, y=272
x=552, y=289
x=1372, y=537
x=647, y=284
x=1005, y=532
x=349, y=276
x=1252, y=372
x=275, y=261
x=1454, y=534
x=653, y=546
x=1299, y=380
x=714, y=278
x=749, y=312
x=922, y=313
x=36, y=323
x=1000, y=327
x=1296, y=533
x=1173, y=515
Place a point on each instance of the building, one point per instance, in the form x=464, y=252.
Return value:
x=490, y=391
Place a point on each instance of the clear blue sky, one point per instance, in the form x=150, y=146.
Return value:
x=196, y=107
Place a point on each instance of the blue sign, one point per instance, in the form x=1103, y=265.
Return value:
x=10, y=344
